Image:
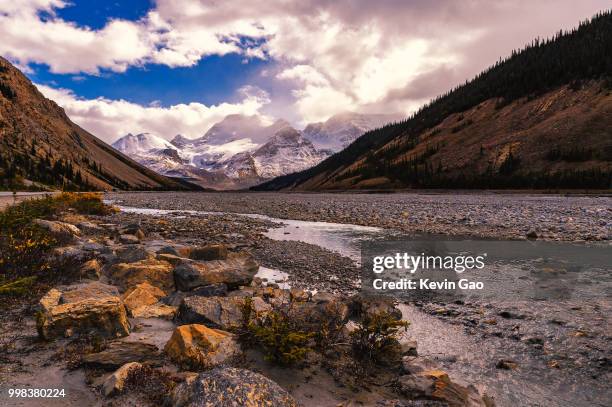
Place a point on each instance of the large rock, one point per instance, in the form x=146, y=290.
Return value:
x=141, y=295
x=221, y=312
x=119, y=353
x=158, y=310
x=84, y=291
x=62, y=231
x=115, y=383
x=231, y=387
x=213, y=290
x=132, y=253
x=155, y=272
x=104, y=316
x=209, y=252
x=436, y=385
x=197, y=346
x=235, y=271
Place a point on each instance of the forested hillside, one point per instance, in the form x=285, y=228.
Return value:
x=540, y=118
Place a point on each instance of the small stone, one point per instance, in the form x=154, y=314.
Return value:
x=91, y=269
x=128, y=239
x=532, y=234
x=506, y=364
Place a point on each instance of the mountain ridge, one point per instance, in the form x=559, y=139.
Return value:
x=416, y=152
x=239, y=151
x=41, y=145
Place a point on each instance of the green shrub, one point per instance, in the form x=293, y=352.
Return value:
x=281, y=337
x=377, y=336
x=24, y=246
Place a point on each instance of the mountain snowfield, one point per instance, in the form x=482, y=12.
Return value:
x=241, y=151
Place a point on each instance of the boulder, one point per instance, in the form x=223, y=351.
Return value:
x=85, y=291
x=91, y=269
x=115, y=383
x=158, y=310
x=119, y=353
x=198, y=346
x=155, y=272
x=363, y=305
x=141, y=295
x=226, y=386
x=132, y=253
x=221, y=312
x=209, y=252
x=104, y=316
x=62, y=231
x=213, y=290
x=235, y=271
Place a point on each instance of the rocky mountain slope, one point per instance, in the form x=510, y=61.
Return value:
x=241, y=151
x=541, y=118
x=39, y=143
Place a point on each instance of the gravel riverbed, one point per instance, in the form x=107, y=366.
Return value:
x=509, y=216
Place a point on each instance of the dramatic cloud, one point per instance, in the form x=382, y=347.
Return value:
x=331, y=56
x=111, y=119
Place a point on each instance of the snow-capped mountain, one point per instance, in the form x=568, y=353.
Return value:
x=141, y=143
x=342, y=129
x=241, y=151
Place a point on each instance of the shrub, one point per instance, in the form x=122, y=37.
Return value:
x=377, y=336
x=24, y=246
x=153, y=384
x=281, y=337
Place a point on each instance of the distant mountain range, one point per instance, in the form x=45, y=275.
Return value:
x=541, y=118
x=40, y=147
x=241, y=151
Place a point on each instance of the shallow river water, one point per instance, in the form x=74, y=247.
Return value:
x=469, y=352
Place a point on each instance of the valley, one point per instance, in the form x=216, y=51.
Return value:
x=242, y=151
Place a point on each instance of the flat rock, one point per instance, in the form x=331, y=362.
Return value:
x=119, y=353
x=158, y=310
x=212, y=290
x=209, y=252
x=235, y=271
x=220, y=312
x=155, y=272
x=132, y=253
x=141, y=295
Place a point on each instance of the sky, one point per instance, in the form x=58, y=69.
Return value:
x=177, y=67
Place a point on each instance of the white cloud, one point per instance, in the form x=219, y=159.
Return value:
x=359, y=55
x=111, y=119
